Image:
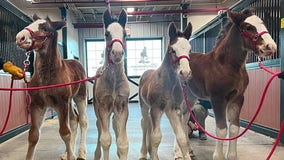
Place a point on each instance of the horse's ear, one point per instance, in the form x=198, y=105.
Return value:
x=236, y=17
x=48, y=19
x=172, y=31
x=122, y=18
x=58, y=24
x=249, y=11
x=188, y=30
x=35, y=17
x=107, y=18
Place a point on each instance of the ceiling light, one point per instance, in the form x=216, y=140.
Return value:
x=131, y=9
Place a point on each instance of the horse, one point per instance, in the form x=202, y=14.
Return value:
x=220, y=76
x=41, y=37
x=111, y=90
x=160, y=92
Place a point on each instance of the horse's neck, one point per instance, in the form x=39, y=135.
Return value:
x=48, y=58
x=231, y=50
x=167, y=72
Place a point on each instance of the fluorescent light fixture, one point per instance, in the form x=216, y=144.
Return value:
x=131, y=9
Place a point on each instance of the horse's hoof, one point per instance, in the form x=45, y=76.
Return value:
x=81, y=158
x=142, y=158
x=179, y=158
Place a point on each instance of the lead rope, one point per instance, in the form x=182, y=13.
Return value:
x=281, y=76
x=9, y=109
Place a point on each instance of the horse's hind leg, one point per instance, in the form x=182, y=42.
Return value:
x=233, y=112
x=83, y=121
x=37, y=115
x=119, y=125
x=145, y=125
x=178, y=128
x=64, y=129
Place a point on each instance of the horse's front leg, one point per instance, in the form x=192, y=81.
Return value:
x=103, y=115
x=37, y=115
x=184, y=120
x=98, y=152
x=156, y=135
x=182, y=139
x=119, y=126
x=221, y=128
x=64, y=129
x=233, y=111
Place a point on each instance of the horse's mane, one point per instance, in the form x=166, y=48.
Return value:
x=224, y=30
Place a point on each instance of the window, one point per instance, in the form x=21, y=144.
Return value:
x=95, y=55
x=142, y=54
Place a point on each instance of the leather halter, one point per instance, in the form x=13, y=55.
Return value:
x=109, y=45
x=37, y=38
x=176, y=60
x=253, y=37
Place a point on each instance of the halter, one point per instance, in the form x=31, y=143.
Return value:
x=37, y=37
x=109, y=45
x=178, y=58
x=253, y=37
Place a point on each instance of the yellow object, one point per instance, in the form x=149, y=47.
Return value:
x=16, y=72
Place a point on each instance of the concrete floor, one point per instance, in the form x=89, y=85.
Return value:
x=252, y=146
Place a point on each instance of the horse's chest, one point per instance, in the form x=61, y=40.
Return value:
x=112, y=87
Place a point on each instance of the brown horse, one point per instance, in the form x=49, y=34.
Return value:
x=111, y=90
x=49, y=68
x=160, y=91
x=221, y=77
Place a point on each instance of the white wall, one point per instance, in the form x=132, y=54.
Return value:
x=199, y=21
x=72, y=39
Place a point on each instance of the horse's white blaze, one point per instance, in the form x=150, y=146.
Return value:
x=116, y=31
x=260, y=27
x=182, y=47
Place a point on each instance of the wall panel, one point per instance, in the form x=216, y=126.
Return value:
x=269, y=115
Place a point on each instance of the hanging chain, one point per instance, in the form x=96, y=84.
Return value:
x=26, y=64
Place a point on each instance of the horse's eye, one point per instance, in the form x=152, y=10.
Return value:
x=173, y=52
x=249, y=27
x=44, y=29
x=107, y=34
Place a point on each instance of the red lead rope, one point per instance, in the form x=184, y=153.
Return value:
x=9, y=110
x=11, y=89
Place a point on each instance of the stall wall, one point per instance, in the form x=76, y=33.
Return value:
x=269, y=115
x=18, y=115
